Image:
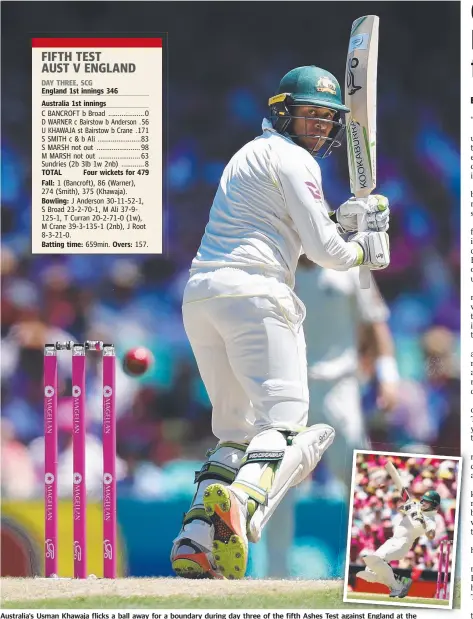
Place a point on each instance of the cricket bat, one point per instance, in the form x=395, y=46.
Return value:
x=393, y=473
x=360, y=97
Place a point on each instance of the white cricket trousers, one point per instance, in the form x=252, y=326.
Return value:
x=246, y=333
x=394, y=549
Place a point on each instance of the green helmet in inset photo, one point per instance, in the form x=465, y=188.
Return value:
x=312, y=86
x=432, y=498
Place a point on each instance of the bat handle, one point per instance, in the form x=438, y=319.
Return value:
x=365, y=276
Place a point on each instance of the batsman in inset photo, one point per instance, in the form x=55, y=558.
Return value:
x=403, y=528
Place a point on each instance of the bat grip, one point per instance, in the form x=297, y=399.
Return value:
x=365, y=277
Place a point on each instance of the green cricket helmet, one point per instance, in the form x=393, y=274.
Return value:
x=308, y=86
x=430, y=500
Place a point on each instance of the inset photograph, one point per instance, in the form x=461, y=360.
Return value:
x=402, y=529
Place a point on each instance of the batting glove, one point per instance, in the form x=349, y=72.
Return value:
x=375, y=208
x=419, y=518
x=410, y=505
x=375, y=246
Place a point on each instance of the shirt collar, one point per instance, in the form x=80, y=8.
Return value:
x=267, y=125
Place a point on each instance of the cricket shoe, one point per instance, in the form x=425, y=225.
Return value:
x=191, y=560
x=406, y=585
x=228, y=515
x=396, y=589
x=402, y=588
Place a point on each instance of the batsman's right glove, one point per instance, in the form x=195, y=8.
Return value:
x=375, y=208
x=375, y=247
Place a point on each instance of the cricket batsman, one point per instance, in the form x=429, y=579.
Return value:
x=414, y=520
x=244, y=321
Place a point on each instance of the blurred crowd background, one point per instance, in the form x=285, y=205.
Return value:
x=223, y=62
x=376, y=503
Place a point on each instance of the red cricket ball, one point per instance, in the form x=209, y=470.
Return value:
x=137, y=361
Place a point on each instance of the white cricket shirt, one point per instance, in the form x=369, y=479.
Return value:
x=268, y=209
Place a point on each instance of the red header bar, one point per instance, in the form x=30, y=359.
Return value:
x=102, y=42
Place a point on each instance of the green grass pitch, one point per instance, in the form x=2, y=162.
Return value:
x=176, y=593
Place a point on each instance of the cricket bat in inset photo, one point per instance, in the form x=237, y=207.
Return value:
x=360, y=97
x=393, y=473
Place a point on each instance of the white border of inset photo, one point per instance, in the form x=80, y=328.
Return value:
x=383, y=599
